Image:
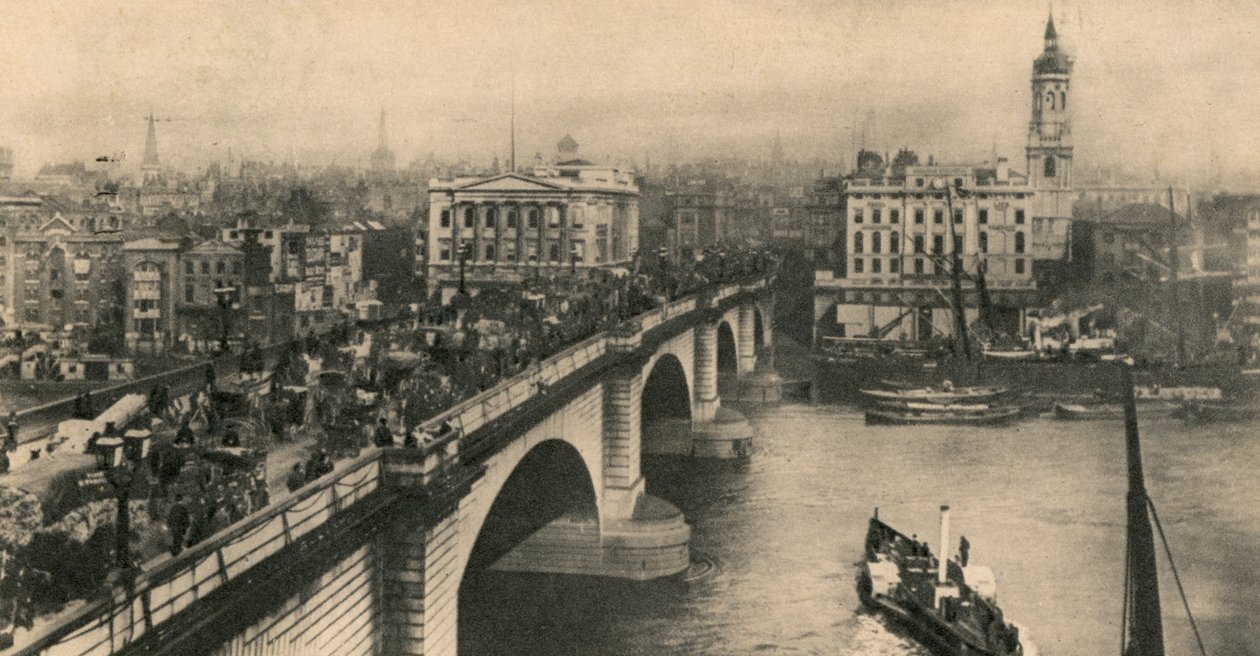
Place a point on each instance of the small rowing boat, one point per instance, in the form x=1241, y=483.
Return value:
x=911, y=417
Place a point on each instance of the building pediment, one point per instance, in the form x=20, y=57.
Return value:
x=57, y=226
x=509, y=182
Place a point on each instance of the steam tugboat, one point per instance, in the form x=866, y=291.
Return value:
x=950, y=606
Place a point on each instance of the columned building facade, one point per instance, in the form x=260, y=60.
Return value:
x=509, y=227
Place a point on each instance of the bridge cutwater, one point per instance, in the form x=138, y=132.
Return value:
x=540, y=474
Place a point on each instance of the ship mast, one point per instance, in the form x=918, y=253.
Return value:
x=1173, y=265
x=955, y=269
x=1144, y=631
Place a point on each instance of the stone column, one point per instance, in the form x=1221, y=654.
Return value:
x=745, y=340
x=565, y=256
x=478, y=241
x=542, y=234
x=521, y=218
x=706, y=375
x=500, y=226
x=419, y=588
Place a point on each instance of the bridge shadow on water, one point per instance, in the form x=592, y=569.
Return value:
x=526, y=613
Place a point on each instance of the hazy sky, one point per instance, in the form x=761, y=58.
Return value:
x=1154, y=80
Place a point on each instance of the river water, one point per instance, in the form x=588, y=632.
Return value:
x=1042, y=503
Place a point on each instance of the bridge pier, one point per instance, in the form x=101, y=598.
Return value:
x=419, y=587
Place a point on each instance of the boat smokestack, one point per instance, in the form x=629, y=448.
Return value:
x=943, y=555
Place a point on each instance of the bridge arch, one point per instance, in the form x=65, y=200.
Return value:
x=551, y=481
x=727, y=360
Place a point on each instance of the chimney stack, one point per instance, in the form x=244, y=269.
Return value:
x=943, y=554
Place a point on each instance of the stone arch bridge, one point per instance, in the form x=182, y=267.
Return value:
x=541, y=473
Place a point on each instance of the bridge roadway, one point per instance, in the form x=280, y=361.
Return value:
x=369, y=559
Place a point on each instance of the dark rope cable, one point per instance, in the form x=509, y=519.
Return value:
x=1172, y=565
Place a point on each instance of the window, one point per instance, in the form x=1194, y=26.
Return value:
x=267, y=235
x=894, y=242
x=1050, y=166
x=470, y=217
x=857, y=242
x=509, y=251
x=918, y=243
x=938, y=244
x=1019, y=216
x=858, y=265
x=577, y=217
x=514, y=218
x=236, y=268
x=1019, y=242
x=918, y=265
x=918, y=182
x=958, y=215
x=555, y=252
x=446, y=218
x=1019, y=265
x=533, y=218
x=984, y=242
x=188, y=292
x=958, y=244
x=220, y=267
x=492, y=217
x=553, y=219
x=876, y=242
x=894, y=216
x=205, y=268
x=875, y=215
x=1062, y=100
x=938, y=215
x=234, y=234
x=918, y=215
x=444, y=251
x=857, y=215
x=877, y=265
x=894, y=265
x=490, y=252
x=984, y=215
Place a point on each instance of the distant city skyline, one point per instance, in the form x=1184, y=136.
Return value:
x=676, y=80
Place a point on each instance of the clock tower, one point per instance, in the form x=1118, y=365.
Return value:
x=1049, y=149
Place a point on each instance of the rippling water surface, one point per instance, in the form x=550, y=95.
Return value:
x=1042, y=503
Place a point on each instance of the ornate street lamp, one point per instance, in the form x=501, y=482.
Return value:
x=121, y=477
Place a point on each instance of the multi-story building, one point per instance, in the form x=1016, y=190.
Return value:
x=510, y=226
x=210, y=283
x=699, y=215
x=151, y=275
x=902, y=234
x=1250, y=296
x=59, y=263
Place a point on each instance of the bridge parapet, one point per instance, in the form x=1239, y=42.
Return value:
x=158, y=603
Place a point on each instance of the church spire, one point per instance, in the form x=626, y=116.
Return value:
x=1052, y=37
x=150, y=146
x=382, y=137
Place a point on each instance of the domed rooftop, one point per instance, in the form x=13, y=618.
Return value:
x=1052, y=59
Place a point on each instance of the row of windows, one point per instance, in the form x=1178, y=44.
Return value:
x=577, y=249
x=936, y=196
x=920, y=265
x=938, y=243
x=220, y=267
x=938, y=215
x=513, y=219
